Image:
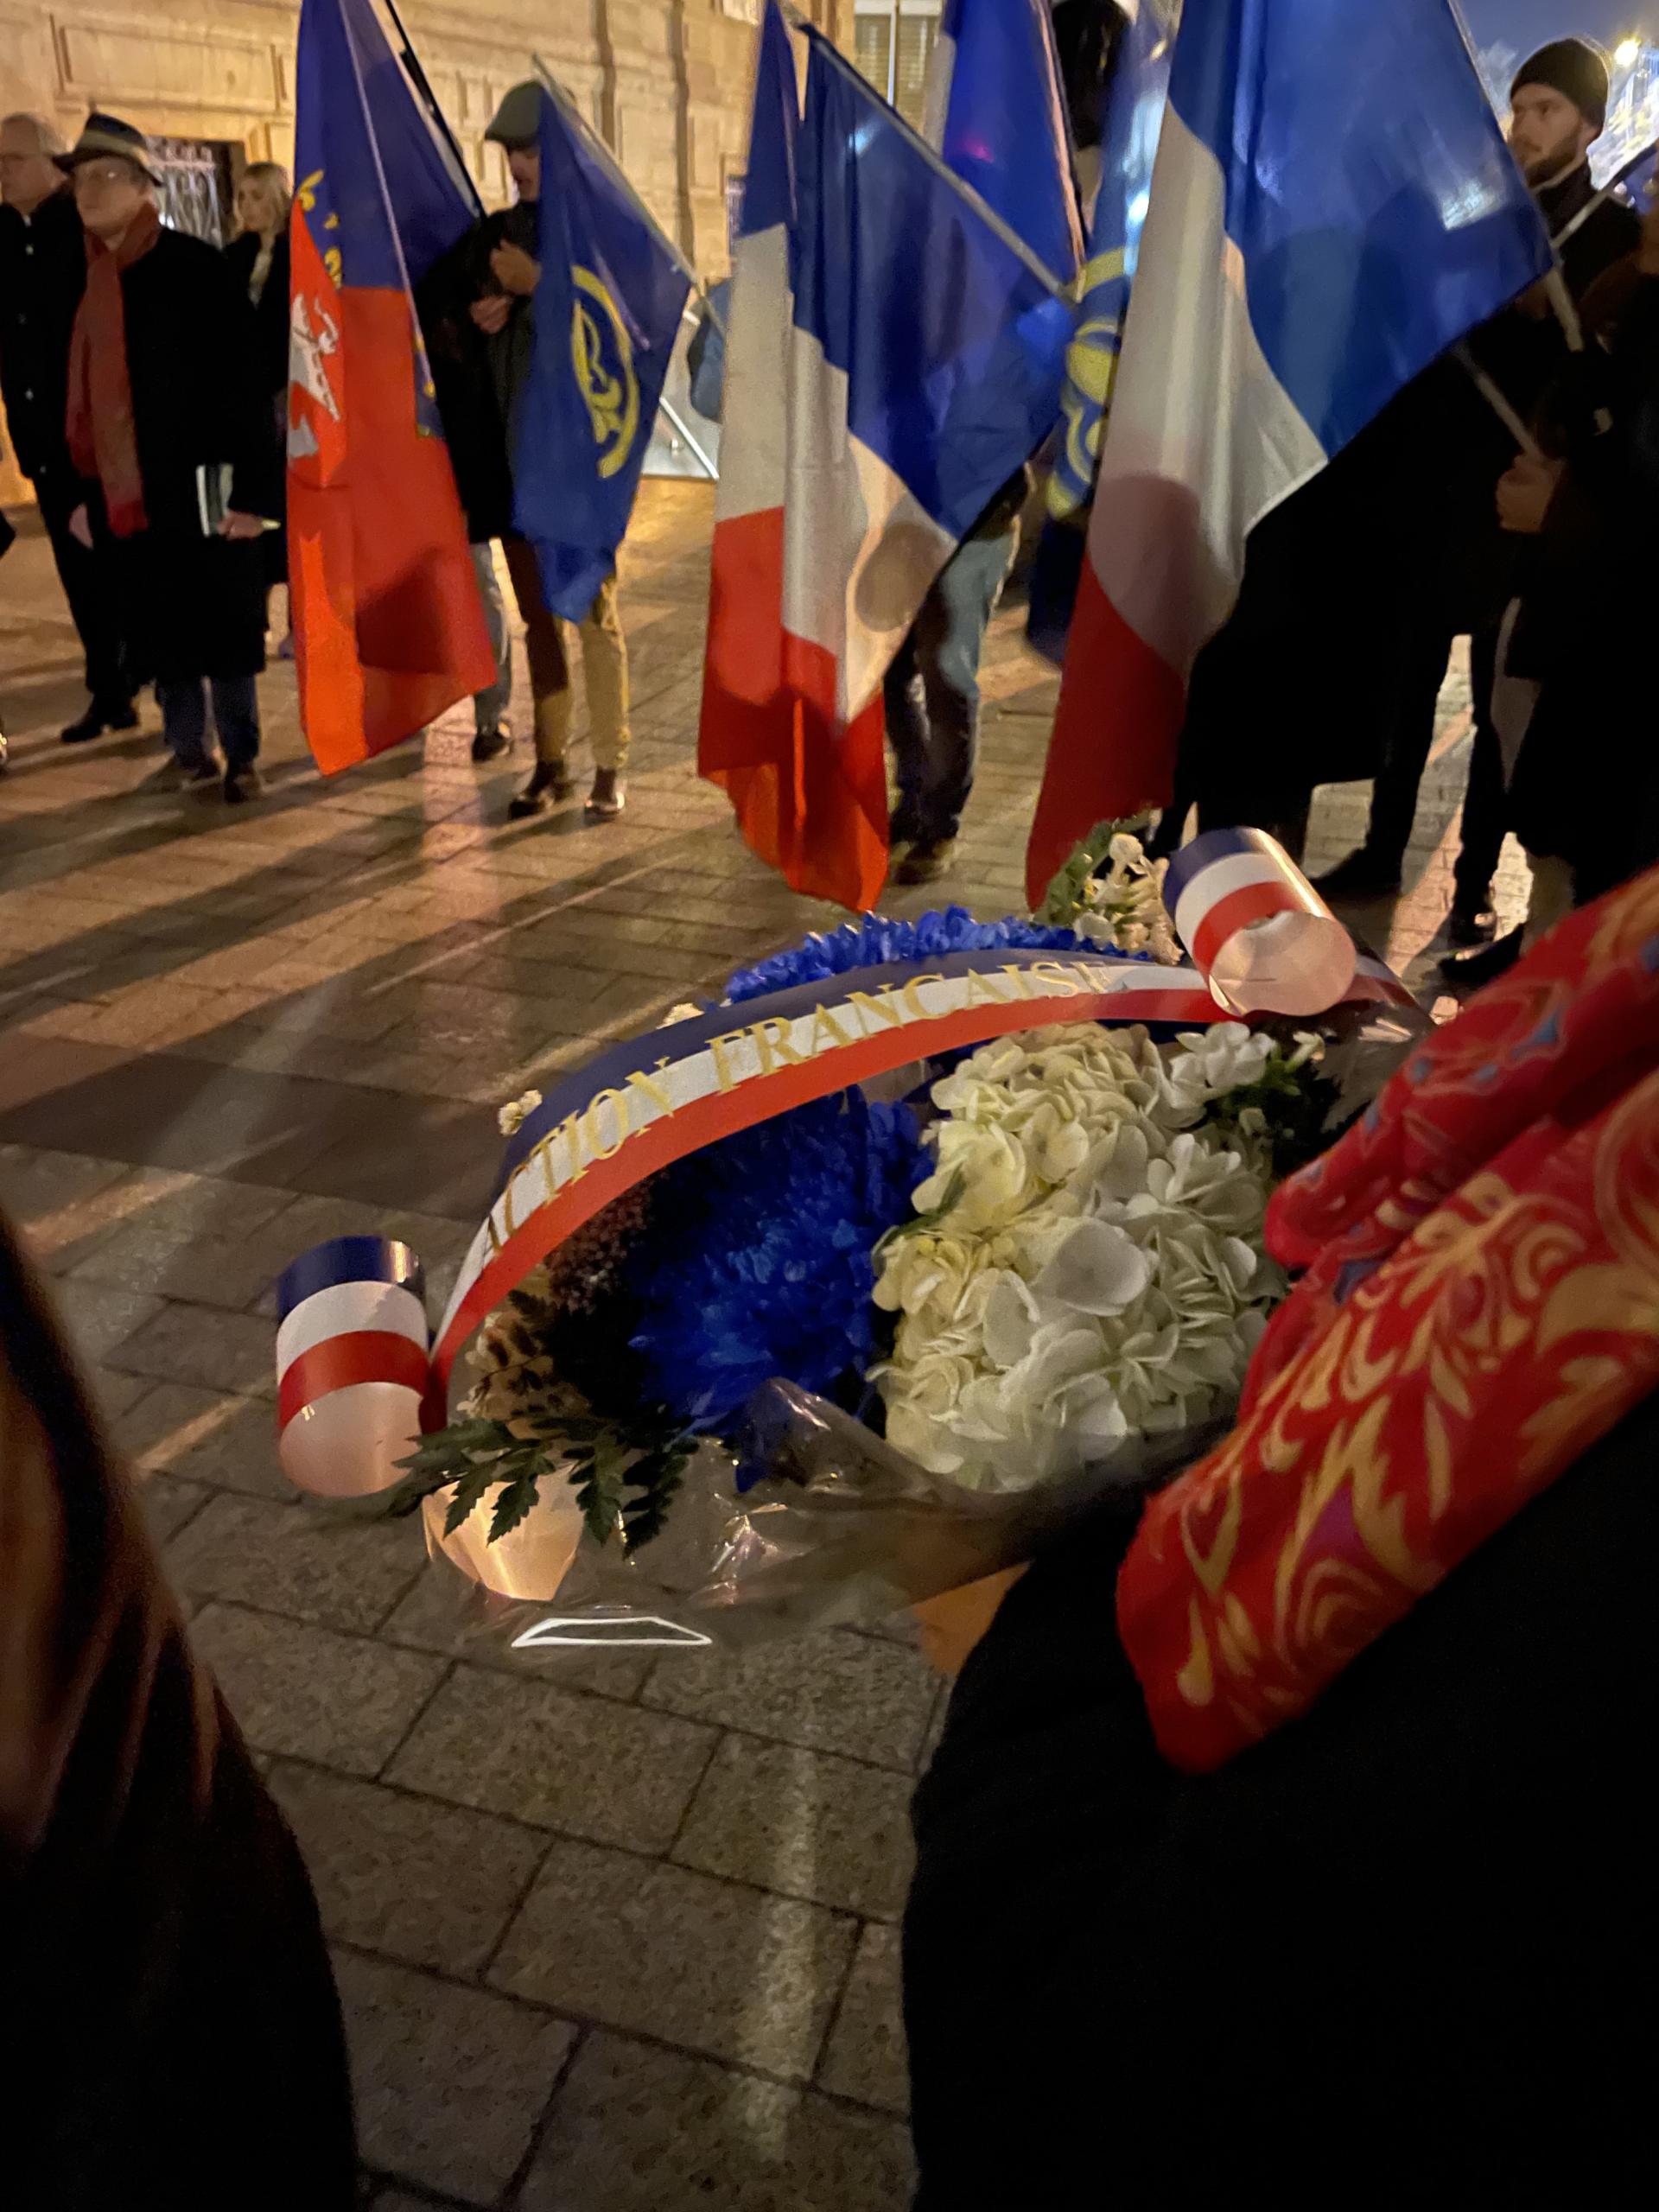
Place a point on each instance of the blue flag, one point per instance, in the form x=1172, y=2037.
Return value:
x=607, y=310
x=1135, y=116
x=995, y=111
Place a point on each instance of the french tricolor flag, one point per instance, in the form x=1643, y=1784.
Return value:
x=1332, y=207
x=894, y=354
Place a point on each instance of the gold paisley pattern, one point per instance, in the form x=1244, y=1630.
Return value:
x=1488, y=1306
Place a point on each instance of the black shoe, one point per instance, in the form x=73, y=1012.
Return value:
x=926, y=861
x=204, y=771
x=1469, y=970
x=1468, y=925
x=1364, y=874
x=490, y=744
x=94, y=722
x=123, y=715
x=548, y=784
x=241, y=785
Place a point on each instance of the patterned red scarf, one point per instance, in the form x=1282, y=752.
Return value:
x=1481, y=1303
x=103, y=443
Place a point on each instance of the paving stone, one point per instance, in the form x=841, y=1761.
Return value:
x=835, y=1692
x=99, y=1321
x=404, y=1876
x=176, y=1343
x=449, y=2082
x=805, y=1823
x=206, y=1435
x=635, y=2128
x=168, y=1502
x=303, y=1559
x=559, y=1758
x=867, y=2059
x=338, y=1700
x=711, y=1966
x=442, y=1614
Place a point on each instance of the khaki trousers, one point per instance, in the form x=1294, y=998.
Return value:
x=604, y=666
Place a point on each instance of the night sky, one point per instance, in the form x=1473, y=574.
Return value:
x=1525, y=24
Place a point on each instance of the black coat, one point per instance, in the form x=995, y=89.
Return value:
x=478, y=377
x=42, y=276
x=1396, y=1955
x=271, y=311
x=195, y=605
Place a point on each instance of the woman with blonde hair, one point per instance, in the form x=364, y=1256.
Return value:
x=258, y=256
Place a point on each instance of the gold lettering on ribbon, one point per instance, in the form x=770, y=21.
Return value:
x=1017, y=977
x=656, y=1092
x=774, y=1034
x=979, y=988
x=824, y=1021
x=723, y=1074
x=912, y=994
x=590, y=1123
x=883, y=1009
x=1056, y=978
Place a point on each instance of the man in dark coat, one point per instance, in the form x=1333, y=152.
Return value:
x=1452, y=446
x=42, y=274
x=476, y=313
x=169, y=427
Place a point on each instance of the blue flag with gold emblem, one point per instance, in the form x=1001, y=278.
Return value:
x=608, y=308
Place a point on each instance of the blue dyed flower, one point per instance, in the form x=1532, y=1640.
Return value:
x=875, y=941
x=759, y=1259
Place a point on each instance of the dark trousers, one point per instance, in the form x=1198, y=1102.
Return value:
x=1394, y=799
x=90, y=588
x=235, y=717
x=932, y=691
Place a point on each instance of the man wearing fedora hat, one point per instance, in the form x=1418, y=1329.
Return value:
x=171, y=432
x=42, y=275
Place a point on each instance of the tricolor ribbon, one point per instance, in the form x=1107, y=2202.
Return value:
x=1256, y=926
x=353, y=1363
x=352, y=1321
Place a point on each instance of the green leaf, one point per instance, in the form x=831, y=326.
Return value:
x=600, y=1496
x=470, y=1490
x=948, y=1202
x=514, y=1503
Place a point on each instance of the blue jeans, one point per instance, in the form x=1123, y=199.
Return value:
x=932, y=691
x=235, y=717
x=489, y=706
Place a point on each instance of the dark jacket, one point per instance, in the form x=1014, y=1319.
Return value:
x=1585, y=787
x=271, y=311
x=479, y=377
x=42, y=276
x=195, y=605
x=1397, y=1955
x=169, y=2030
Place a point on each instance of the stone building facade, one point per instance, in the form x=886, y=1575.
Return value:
x=667, y=82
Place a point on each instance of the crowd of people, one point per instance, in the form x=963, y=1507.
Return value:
x=1437, y=523
x=145, y=374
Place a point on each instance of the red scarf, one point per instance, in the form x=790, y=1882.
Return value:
x=103, y=443
x=1481, y=1303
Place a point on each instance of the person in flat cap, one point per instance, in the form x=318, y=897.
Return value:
x=476, y=315
x=170, y=432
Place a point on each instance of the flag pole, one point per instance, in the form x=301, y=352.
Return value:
x=618, y=176
x=1496, y=400
x=411, y=61
x=936, y=161
x=1572, y=229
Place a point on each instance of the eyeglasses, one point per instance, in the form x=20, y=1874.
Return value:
x=114, y=171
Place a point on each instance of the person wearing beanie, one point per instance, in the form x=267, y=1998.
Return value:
x=475, y=312
x=1457, y=450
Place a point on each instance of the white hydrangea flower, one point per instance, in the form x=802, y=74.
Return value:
x=1098, y=1271
x=512, y=1116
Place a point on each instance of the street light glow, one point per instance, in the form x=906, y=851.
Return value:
x=1626, y=52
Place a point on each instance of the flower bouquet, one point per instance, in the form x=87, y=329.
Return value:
x=842, y=1293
